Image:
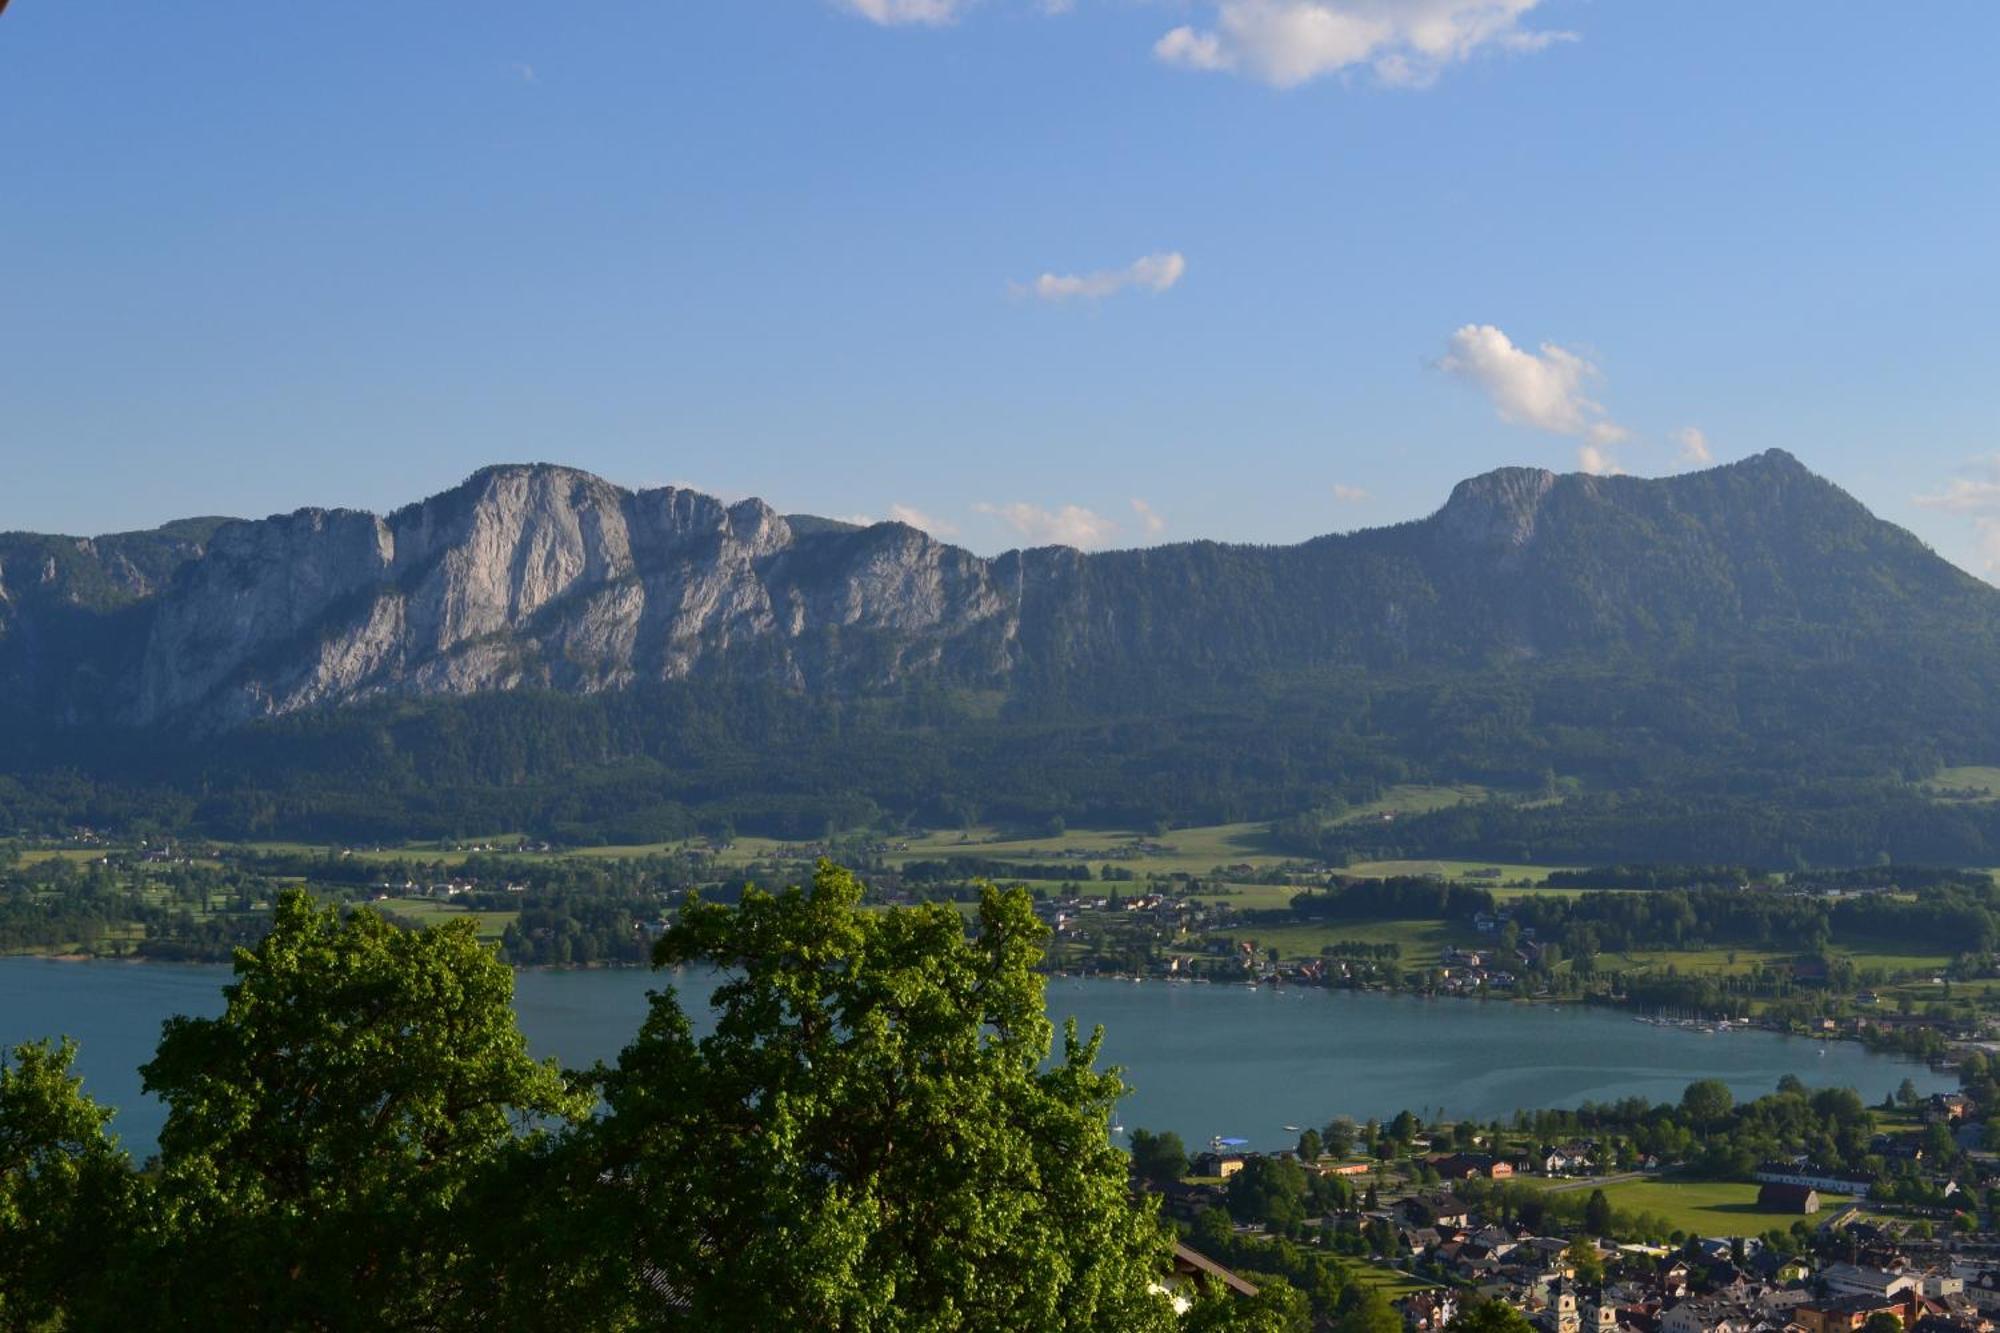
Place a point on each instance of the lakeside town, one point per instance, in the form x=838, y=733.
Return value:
x=1598, y=1234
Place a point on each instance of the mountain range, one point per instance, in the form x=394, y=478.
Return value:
x=1748, y=624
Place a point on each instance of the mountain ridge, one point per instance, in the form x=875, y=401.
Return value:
x=545, y=576
x=1740, y=663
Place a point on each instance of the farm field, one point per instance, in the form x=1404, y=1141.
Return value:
x=1193, y=851
x=1730, y=962
x=429, y=912
x=1459, y=872
x=1705, y=1207
x=1421, y=941
x=1972, y=782
x=1415, y=799
x=1391, y=1283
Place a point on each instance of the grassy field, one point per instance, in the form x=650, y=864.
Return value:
x=1730, y=962
x=429, y=912
x=1391, y=1283
x=1412, y=799
x=1970, y=783
x=79, y=855
x=1421, y=941
x=1457, y=871
x=1709, y=1208
x=1192, y=851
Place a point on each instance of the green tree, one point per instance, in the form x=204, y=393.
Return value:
x=323, y=1134
x=873, y=1136
x=1490, y=1317
x=1338, y=1137
x=1370, y=1313
x=1585, y=1262
x=1707, y=1101
x=1270, y=1190
x=1310, y=1146
x=1597, y=1216
x=66, y=1194
x=1278, y=1307
x=1160, y=1159
x=1882, y=1322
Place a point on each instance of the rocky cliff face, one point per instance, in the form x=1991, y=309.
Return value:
x=541, y=576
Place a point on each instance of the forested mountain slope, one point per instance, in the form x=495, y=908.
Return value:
x=540, y=646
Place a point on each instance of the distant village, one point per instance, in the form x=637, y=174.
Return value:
x=1820, y=1252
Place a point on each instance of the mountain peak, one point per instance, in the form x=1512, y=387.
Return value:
x=1497, y=508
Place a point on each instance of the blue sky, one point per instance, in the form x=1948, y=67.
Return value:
x=1267, y=268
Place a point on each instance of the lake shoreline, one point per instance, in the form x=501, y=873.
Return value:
x=1482, y=998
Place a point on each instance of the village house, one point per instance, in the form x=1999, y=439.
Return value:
x=1823, y=1179
x=1429, y=1311
x=1220, y=1164
x=1876, y=1283
x=1777, y=1198
x=1845, y=1313
x=1946, y=1108
x=1464, y=1166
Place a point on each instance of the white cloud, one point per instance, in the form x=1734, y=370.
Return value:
x=1694, y=446
x=1976, y=498
x=1591, y=459
x=523, y=71
x=917, y=518
x=1543, y=389
x=1150, y=518
x=1072, y=525
x=1155, y=273
x=1351, y=495
x=890, y=13
x=1969, y=495
x=1406, y=43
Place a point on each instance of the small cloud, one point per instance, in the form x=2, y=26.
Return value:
x=1405, y=43
x=858, y=520
x=1350, y=495
x=1154, y=273
x=523, y=72
x=893, y=13
x=1598, y=463
x=1149, y=518
x=1543, y=389
x=918, y=519
x=1975, y=498
x=1694, y=446
x=1072, y=525
x=1976, y=494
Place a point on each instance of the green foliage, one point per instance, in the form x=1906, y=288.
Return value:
x=1597, y=1214
x=1707, y=1101
x=870, y=1136
x=1270, y=1190
x=1490, y=1317
x=1370, y=1313
x=1278, y=1307
x=1584, y=1261
x=66, y=1193
x=323, y=1133
x=1159, y=1159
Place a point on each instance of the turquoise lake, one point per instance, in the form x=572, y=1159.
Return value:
x=1203, y=1060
